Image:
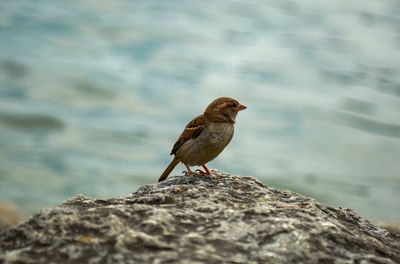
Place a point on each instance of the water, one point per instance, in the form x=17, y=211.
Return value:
x=93, y=94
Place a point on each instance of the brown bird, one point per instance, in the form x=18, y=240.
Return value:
x=204, y=138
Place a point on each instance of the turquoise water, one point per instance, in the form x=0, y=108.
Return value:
x=93, y=94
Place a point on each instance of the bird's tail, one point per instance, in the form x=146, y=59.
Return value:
x=168, y=170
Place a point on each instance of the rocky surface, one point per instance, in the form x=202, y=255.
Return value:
x=393, y=227
x=197, y=219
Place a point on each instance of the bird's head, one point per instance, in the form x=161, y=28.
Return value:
x=223, y=109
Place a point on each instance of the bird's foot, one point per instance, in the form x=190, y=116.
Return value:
x=205, y=172
x=210, y=175
x=188, y=173
x=198, y=171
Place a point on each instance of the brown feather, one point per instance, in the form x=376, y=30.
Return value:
x=168, y=170
x=192, y=130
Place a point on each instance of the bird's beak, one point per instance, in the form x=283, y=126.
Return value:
x=242, y=107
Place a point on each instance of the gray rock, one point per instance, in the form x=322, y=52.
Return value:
x=222, y=219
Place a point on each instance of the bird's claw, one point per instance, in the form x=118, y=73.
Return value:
x=196, y=173
x=188, y=173
x=202, y=172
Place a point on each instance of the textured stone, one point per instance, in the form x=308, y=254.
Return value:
x=186, y=219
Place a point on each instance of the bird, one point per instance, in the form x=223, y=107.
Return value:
x=205, y=137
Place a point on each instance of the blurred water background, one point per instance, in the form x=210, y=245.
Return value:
x=93, y=94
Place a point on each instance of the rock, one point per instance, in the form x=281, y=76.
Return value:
x=221, y=219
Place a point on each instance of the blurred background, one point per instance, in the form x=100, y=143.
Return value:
x=93, y=94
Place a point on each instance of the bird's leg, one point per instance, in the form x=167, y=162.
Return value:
x=207, y=171
x=189, y=171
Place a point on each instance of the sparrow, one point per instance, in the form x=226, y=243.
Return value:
x=204, y=138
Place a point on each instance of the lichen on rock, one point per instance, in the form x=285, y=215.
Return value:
x=197, y=219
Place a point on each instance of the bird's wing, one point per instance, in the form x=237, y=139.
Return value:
x=192, y=130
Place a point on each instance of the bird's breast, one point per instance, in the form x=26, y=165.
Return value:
x=208, y=145
x=218, y=134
